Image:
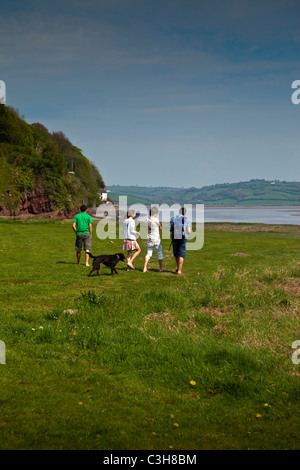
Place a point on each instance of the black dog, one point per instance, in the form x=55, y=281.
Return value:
x=107, y=260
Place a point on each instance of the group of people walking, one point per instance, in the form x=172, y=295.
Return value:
x=180, y=228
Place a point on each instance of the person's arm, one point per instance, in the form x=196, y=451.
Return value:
x=74, y=227
x=188, y=228
x=159, y=224
x=90, y=224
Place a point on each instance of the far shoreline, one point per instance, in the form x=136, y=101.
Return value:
x=293, y=210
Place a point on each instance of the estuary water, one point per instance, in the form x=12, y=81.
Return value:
x=277, y=215
x=280, y=215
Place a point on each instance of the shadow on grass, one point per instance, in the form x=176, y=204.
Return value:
x=155, y=270
x=65, y=262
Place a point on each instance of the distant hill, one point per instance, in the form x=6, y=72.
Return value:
x=253, y=192
x=42, y=171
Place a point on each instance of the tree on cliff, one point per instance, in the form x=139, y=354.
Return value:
x=36, y=165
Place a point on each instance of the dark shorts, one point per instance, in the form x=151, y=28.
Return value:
x=179, y=248
x=84, y=239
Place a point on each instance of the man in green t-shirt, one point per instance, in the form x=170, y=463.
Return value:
x=83, y=226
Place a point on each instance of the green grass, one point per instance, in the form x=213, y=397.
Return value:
x=115, y=373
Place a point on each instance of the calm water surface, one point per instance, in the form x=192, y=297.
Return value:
x=289, y=215
x=254, y=214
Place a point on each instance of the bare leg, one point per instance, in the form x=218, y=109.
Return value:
x=78, y=254
x=133, y=258
x=128, y=259
x=145, y=265
x=180, y=263
x=160, y=261
x=135, y=254
x=87, y=258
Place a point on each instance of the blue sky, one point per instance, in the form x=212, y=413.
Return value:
x=161, y=92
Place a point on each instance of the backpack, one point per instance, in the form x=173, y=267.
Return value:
x=179, y=228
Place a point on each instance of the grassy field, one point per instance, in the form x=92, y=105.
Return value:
x=150, y=361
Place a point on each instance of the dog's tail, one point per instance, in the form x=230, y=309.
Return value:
x=90, y=254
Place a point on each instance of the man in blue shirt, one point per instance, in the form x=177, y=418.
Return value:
x=180, y=227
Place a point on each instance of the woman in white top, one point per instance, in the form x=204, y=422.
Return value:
x=153, y=239
x=129, y=238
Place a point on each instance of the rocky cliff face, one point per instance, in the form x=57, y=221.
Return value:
x=36, y=204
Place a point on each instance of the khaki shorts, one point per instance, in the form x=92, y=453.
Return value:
x=84, y=239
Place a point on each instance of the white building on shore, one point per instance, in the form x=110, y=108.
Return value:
x=103, y=194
